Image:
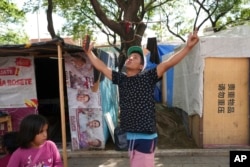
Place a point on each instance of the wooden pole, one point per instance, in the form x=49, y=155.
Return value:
x=62, y=105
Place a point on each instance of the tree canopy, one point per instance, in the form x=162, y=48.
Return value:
x=213, y=14
x=120, y=20
x=11, y=22
x=124, y=21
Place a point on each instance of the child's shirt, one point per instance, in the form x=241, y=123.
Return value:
x=47, y=155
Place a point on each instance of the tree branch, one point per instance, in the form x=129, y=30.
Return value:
x=50, y=20
x=169, y=29
x=104, y=19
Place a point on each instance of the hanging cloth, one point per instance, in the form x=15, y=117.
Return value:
x=152, y=47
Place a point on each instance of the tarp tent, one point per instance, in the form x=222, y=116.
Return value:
x=187, y=88
x=211, y=82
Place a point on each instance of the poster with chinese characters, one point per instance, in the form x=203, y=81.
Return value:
x=226, y=114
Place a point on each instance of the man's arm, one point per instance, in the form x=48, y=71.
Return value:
x=176, y=58
x=96, y=62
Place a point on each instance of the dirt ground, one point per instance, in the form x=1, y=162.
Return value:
x=172, y=133
x=171, y=130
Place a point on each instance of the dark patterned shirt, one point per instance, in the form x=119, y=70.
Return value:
x=137, y=103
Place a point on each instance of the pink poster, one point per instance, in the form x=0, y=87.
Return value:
x=85, y=112
x=86, y=128
x=18, y=96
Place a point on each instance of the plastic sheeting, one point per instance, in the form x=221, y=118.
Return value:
x=109, y=94
x=185, y=80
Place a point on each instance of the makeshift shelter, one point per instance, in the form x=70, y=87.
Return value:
x=211, y=85
x=51, y=81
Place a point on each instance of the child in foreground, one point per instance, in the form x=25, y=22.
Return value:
x=35, y=150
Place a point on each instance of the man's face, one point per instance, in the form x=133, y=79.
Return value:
x=134, y=61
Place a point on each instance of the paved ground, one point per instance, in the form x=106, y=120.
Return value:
x=164, y=158
x=182, y=161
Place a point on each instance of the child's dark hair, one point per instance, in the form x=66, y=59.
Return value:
x=30, y=126
x=9, y=142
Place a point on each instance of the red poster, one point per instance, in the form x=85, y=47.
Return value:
x=18, y=96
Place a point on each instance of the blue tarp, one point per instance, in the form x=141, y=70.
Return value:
x=109, y=94
x=162, y=50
